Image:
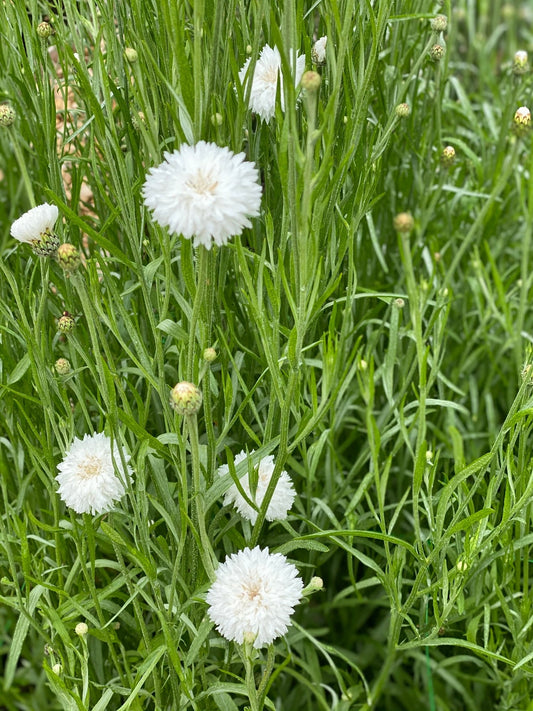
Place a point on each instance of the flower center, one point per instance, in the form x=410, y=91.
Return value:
x=253, y=591
x=271, y=75
x=203, y=184
x=92, y=466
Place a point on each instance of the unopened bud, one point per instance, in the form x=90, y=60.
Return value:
x=185, y=398
x=462, y=566
x=57, y=669
x=216, y=119
x=131, y=55
x=399, y=303
x=44, y=30
x=62, y=366
x=210, y=355
x=403, y=110
x=81, y=629
x=439, y=23
x=311, y=81
x=66, y=323
x=7, y=115
x=68, y=257
x=437, y=52
x=403, y=222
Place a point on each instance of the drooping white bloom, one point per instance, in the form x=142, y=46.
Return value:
x=204, y=192
x=87, y=479
x=36, y=227
x=318, y=51
x=254, y=594
x=282, y=498
x=265, y=80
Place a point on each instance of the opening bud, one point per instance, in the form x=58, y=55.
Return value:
x=522, y=121
x=520, y=62
x=81, y=629
x=318, y=51
x=447, y=157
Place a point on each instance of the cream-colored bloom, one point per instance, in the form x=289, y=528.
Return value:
x=36, y=227
x=253, y=596
x=282, y=498
x=87, y=479
x=267, y=70
x=318, y=51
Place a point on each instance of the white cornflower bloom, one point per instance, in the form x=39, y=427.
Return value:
x=254, y=594
x=318, y=51
x=282, y=498
x=204, y=192
x=87, y=479
x=265, y=80
x=36, y=227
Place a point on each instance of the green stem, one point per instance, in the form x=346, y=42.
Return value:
x=205, y=549
x=198, y=305
x=23, y=170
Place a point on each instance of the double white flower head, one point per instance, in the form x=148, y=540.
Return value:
x=254, y=595
x=267, y=73
x=87, y=479
x=282, y=498
x=204, y=192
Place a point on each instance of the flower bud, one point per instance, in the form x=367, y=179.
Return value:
x=185, y=398
x=216, y=119
x=68, y=257
x=57, y=669
x=403, y=222
x=447, y=157
x=437, y=52
x=44, y=30
x=311, y=81
x=131, y=55
x=318, y=51
x=399, y=302
x=439, y=23
x=62, y=366
x=81, y=629
x=210, y=355
x=7, y=115
x=66, y=323
x=520, y=62
x=522, y=120
x=462, y=566
x=403, y=110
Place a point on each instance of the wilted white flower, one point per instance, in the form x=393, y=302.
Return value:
x=265, y=80
x=254, y=594
x=36, y=227
x=87, y=479
x=282, y=498
x=318, y=51
x=203, y=192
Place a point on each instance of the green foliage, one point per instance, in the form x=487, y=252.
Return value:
x=385, y=372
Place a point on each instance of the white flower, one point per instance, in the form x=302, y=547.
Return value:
x=265, y=80
x=203, y=191
x=36, y=227
x=254, y=594
x=87, y=479
x=282, y=498
x=318, y=51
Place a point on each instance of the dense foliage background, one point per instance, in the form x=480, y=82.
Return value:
x=387, y=373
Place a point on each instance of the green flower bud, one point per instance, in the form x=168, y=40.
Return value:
x=68, y=257
x=44, y=30
x=131, y=55
x=66, y=323
x=447, y=157
x=7, y=115
x=62, y=366
x=210, y=355
x=185, y=398
x=437, y=52
x=403, y=110
x=403, y=222
x=311, y=81
x=439, y=23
